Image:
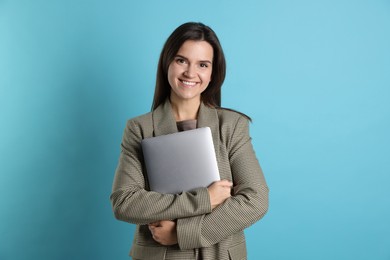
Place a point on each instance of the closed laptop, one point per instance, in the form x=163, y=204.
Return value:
x=181, y=161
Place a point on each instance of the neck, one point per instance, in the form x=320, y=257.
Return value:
x=185, y=110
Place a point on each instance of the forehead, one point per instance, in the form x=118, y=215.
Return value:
x=196, y=50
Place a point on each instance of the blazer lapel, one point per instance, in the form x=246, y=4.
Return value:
x=209, y=117
x=163, y=120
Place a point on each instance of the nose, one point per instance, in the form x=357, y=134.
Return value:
x=190, y=71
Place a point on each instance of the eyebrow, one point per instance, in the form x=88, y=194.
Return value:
x=202, y=61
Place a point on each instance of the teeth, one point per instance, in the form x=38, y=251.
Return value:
x=189, y=83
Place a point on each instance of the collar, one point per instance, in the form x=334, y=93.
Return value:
x=164, y=121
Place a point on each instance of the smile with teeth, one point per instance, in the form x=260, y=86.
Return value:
x=188, y=83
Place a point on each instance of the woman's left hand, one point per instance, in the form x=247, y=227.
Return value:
x=164, y=232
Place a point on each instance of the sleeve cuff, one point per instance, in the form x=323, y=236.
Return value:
x=189, y=232
x=189, y=229
x=204, y=200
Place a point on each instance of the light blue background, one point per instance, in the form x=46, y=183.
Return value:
x=313, y=75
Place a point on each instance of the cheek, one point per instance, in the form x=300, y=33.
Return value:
x=207, y=77
x=174, y=70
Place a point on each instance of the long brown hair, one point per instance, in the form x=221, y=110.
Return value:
x=197, y=32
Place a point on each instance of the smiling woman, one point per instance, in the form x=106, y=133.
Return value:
x=207, y=222
x=189, y=74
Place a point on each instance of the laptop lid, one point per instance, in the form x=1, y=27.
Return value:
x=180, y=161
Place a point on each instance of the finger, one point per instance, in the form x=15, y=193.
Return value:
x=152, y=229
x=155, y=238
x=154, y=224
x=226, y=183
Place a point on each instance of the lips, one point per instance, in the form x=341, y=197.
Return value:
x=188, y=84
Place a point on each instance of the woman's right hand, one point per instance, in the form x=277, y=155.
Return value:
x=219, y=191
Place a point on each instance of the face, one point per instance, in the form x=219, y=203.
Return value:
x=189, y=73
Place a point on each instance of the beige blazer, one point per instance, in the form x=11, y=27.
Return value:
x=202, y=233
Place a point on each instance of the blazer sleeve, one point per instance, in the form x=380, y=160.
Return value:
x=248, y=204
x=131, y=202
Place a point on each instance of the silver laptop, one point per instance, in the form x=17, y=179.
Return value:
x=181, y=161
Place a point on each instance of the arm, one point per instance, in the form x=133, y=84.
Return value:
x=248, y=204
x=164, y=231
x=131, y=202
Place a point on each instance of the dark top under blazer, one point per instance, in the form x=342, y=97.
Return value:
x=213, y=234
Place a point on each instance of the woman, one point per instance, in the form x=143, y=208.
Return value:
x=205, y=223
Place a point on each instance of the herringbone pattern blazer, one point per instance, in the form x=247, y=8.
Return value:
x=202, y=233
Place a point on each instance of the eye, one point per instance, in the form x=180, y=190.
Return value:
x=204, y=65
x=180, y=60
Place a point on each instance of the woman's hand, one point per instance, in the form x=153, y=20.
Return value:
x=164, y=232
x=219, y=191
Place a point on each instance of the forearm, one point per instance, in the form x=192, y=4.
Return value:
x=236, y=214
x=138, y=206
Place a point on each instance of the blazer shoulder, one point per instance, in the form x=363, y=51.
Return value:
x=143, y=119
x=233, y=125
x=141, y=125
x=231, y=117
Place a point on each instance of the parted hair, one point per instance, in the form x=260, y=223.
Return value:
x=196, y=32
x=211, y=96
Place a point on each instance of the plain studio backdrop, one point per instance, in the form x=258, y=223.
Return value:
x=313, y=75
